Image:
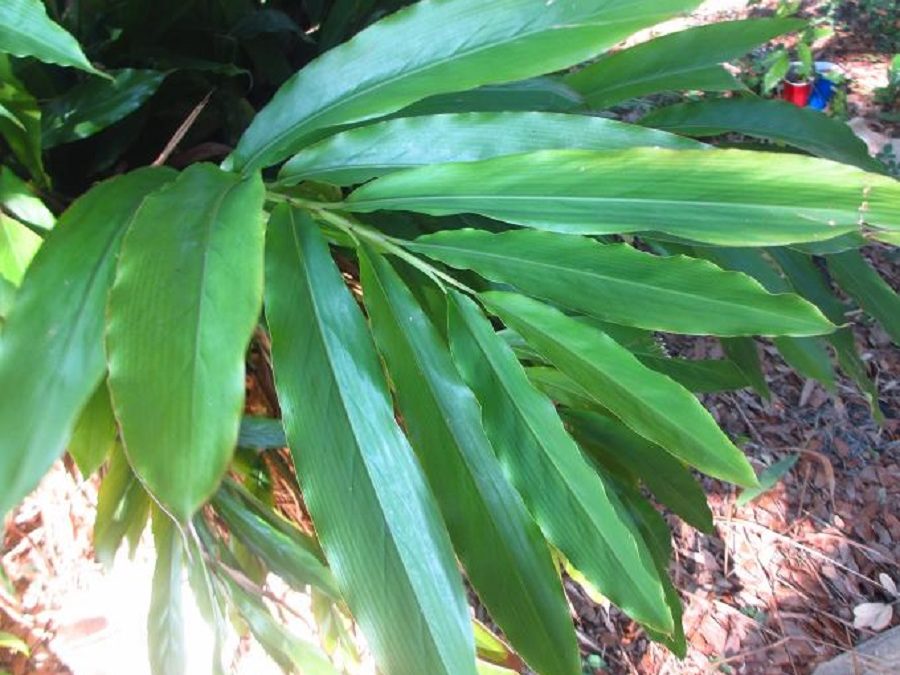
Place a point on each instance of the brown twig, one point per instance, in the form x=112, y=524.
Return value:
x=181, y=131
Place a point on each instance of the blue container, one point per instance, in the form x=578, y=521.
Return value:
x=822, y=93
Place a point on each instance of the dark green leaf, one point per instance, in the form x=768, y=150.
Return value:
x=563, y=493
x=95, y=104
x=261, y=433
x=359, y=154
x=651, y=404
x=284, y=549
x=51, y=348
x=184, y=304
x=802, y=128
x=666, y=477
x=620, y=284
x=861, y=282
x=728, y=197
x=26, y=30
x=377, y=521
x=689, y=59
x=499, y=544
x=768, y=479
x=744, y=353
x=438, y=47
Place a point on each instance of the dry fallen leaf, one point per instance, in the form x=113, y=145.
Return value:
x=889, y=584
x=874, y=615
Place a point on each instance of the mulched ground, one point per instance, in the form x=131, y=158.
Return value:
x=772, y=591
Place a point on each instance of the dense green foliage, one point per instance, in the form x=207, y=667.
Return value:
x=449, y=269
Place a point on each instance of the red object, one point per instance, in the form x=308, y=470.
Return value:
x=797, y=93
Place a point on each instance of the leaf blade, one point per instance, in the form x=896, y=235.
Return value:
x=26, y=30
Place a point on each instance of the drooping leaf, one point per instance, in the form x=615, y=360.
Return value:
x=768, y=479
x=122, y=509
x=26, y=30
x=184, y=304
x=808, y=356
x=855, y=276
x=666, y=477
x=743, y=352
x=284, y=549
x=620, y=284
x=359, y=154
x=51, y=348
x=95, y=432
x=702, y=376
x=95, y=104
x=651, y=404
x=564, y=494
x=689, y=59
x=374, y=515
x=809, y=281
x=18, y=244
x=803, y=128
x=435, y=47
x=20, y=201
x=505, y=556
x=166, y=640
x=286, y=649
x=727, y=197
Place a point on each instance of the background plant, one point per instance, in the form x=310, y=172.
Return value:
x=427, y=219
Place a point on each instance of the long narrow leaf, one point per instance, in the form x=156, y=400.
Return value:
x=435, y=47
x=564, y=494
x=377, y=521
x=865, y=285
x=728, y=197
x=357, y=155
x=57, y=320
x=186, y=299
x=500, y=546
x=651, y=404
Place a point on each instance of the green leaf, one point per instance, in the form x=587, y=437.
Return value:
x=184, y=304
x=808, y=356
x=359, y=154
x=776, y=71
x=20, y=121
x=620, y=284
x=377, y=521
x=651, y=404
x=7, y=295
x=261, y=433
x=26, y=30
x=689, y=59
x=19, y=201
x=861, y=282
x=284, y=549
x=768, y=479
x=545, y=94
x=166, y=642
x=500, y=546
x=13, y=643
x=667, y=478
x=436, y=47
x=803, y=128
x=287, y=650
x=51, y=348
x=18, y=244
x=95, y=104
x=95, y=432
x=122, y=509
x=743, y=352
x=727, y=197
x=809, y=281
x=563, y=493
x=703, y=376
